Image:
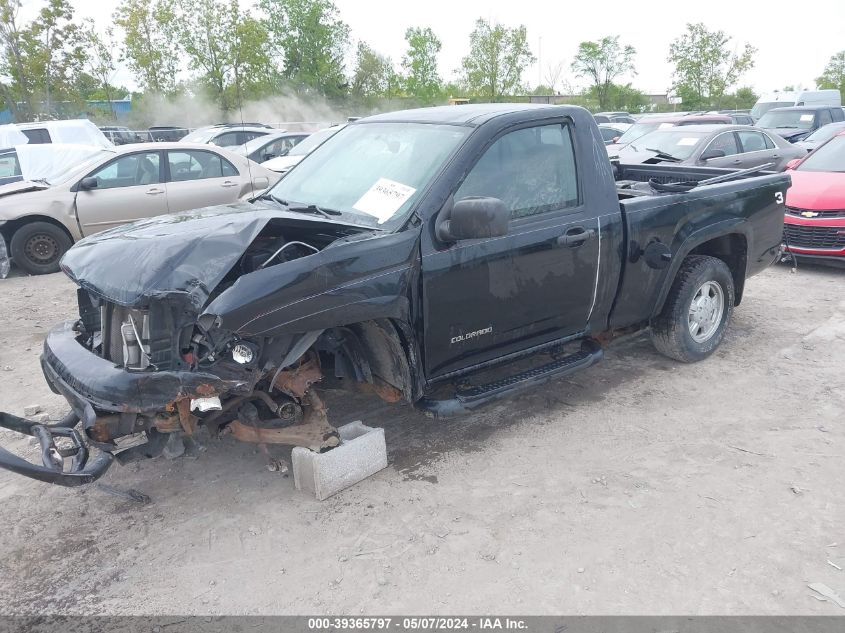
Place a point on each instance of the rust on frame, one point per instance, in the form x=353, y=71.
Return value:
x=314, y=432
x=297, y=381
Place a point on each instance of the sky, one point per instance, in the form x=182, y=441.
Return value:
x=793, y=45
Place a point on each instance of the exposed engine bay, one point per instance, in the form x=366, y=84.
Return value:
x=256, y=386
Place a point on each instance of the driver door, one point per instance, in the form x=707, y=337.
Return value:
x=486, y=298
x=128, y=188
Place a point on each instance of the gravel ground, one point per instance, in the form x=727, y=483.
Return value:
x=640, y=486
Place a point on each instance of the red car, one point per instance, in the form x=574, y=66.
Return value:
x=814, y=225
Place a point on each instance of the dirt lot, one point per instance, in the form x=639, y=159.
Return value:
x=639, y=486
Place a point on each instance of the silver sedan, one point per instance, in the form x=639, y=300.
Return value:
x=55, y=195
x=726, y=146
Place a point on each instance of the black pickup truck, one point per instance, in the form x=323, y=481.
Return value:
x=443, y=256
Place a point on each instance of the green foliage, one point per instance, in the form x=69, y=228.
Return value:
x=543, y=90
x=373, y=76
x=615, y=97
x=312, y=40
x=42, y=60
x=602, y=62
x=149, y=48
x=834, y=74
x=421, y=79
x=226, y=47
x=498, y=56
x=705, y=67
x=743, y=99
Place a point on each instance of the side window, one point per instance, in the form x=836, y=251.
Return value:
x=248, y=136
x=825, y=117
x=531, y=170
x=838, y=114
x=752, y=141
x=281, y=147
x=129, y=171
x=198, y=165
x=227, y=139
x=770, y=144
x=725, y=142
x=608, y=133
x=38, y=135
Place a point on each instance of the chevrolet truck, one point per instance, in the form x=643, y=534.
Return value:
x=442, y=256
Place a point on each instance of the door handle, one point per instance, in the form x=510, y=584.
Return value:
x=154, y=192
x=229, y=183
x=737, y=161
x=576, y=236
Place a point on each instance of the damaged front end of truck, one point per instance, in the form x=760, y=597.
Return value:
x=223, y=318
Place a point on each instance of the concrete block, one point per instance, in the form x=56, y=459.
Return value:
x=362, y=452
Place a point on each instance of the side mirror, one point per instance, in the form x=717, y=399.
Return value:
x=793, y=163
x=261, y=182
x=474, y=218
x=713, y=153
x=615, y=139
x=88, y=183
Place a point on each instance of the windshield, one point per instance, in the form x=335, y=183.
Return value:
x=372, y=173
x=680, y=144
x=200, y=135
x=825, y=132
x=802, y=119
x=315, y=140
x=828, y=157
x=639, y=129
x=760, y=109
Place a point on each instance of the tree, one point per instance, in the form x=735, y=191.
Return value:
x=553, y=75
x=602, y=62
x=373, y=73
x=618, y=97
x=149, y=49
x=101, y=63
x=498, y=56
x=834, y=73
x=312, y=40
x=420, y=65
x=705, y=67
x=228, y=48
x=743, y=99
x=17, y=85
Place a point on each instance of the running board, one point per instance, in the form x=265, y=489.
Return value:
x=466, y=400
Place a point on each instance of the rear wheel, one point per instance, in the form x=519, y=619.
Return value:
x=37, y=247
x=697, y=311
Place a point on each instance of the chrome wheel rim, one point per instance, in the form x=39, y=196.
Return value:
x=42, y=249
x=705, y=311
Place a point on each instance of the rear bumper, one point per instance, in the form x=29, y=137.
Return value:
x=93, y=384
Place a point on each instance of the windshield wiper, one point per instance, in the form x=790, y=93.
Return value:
x=272, y=198
x=663, y=155
x=313, y=208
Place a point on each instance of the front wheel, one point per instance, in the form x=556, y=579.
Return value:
x=697, y=311
x=37, y=247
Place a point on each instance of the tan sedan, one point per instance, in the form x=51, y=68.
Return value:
x=41, y=217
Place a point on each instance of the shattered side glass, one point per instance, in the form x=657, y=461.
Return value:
x=5, y=263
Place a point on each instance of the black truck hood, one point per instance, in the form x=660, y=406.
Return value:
x=179, y=254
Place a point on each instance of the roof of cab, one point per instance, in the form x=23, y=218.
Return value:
x=468, y=114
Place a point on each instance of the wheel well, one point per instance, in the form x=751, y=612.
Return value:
x=374, y=352
x=8, y=229
x=733, y=250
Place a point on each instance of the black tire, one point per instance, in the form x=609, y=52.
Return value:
x=37, y=247
x=671, y=330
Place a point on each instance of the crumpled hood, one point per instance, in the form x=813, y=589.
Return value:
x=185, y=253
x=20, y=187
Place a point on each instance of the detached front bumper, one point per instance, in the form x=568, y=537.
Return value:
x=94, y=384
x=110, y=402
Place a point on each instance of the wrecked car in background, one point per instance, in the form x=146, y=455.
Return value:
x=65, y=193
x=408, y=256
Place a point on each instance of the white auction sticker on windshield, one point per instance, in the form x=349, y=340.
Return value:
x=806, y=117
x=688, y=140
x=384, y=198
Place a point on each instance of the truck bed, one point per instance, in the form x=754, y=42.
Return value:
x=632, y=180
